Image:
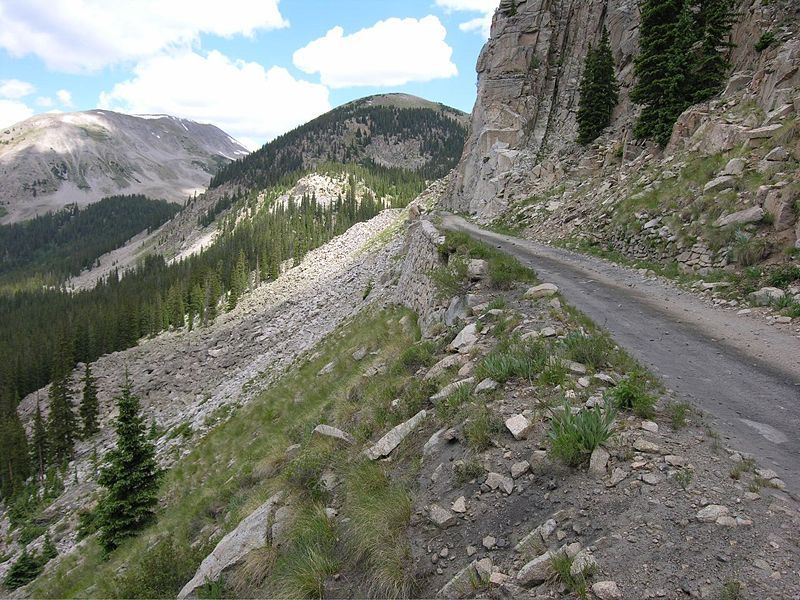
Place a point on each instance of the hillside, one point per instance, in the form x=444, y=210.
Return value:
x=392, y=130
x=52, y=160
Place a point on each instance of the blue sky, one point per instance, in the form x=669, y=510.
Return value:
x=256, y=68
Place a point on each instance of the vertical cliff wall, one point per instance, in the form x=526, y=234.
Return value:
x=524, y=120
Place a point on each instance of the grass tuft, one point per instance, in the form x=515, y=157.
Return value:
x=590, y=350
x=631, y=394
x=574, y=437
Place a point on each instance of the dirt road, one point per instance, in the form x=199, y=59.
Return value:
x=743, y=373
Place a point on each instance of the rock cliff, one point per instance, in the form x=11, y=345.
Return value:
x=524, y=122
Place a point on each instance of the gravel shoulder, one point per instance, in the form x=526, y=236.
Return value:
x=743, y=373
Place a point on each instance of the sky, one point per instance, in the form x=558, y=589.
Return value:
x=255, y=68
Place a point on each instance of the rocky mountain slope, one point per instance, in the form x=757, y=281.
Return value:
x=427, y=467
x=52, y=160
x=400, y=140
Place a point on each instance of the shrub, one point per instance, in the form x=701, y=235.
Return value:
x=24, y=570
x=631, y=394
x=554, y=374
x=684, y=477
x=451, y=280
x=379, y=512
x=574, y=437
x=766, y=40
x=561, y=564
x=747, y=250
x=163, y=571
x=783, y=275
x=590, y=350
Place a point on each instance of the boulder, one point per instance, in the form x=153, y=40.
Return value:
x=599, y=461
x=719, y=184
x=519, y=426
x=606, y=590
x=497, y=481
x=541, y=291
x=250, y=534
x=710, y=513
x=487, y=385
x=536, y=571
x=448, y=362
x=441, y=517
x=777, y=154
x=766, y=296
x=779, y=204
x=735, y=167
x=753, y=214
x=762, y=133
x=465, y=339
x=333, y=433
x=394, y=437
x=456, y=311
x=477, y=269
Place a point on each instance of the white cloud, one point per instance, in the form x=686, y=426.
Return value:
x=44, y=101
x=85, y=35
x=14, y=88
x=247, y=101
x=65, y=97
x=13, y=111
x=481, y=24
x=391, y=52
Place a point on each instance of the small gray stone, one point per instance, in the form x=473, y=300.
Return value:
x=441, y=517
x=710, y=513
x=541, y=291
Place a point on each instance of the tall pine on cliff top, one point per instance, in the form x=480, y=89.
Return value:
x=130, y=476
x=599, y=92
x=681, y=60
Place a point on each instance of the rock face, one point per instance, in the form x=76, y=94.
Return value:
x=522, y=136
x=156, y=155
x=249, y=535
x=528, y=76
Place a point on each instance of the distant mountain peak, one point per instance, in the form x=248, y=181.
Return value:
x=54, y=159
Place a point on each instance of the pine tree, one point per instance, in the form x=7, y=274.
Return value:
x=14, y=455
x=89, y=407
x=680, y=60
x=39, y=444
x=61, y=426
x=130, y=476
x=715, y=19
x=599, y=92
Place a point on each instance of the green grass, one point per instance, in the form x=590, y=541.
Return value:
x=421, y=354
x=561, y=565
x=590, y=350
x=481, y=427
x=632, y=394
x=677, y=414
x=233, y=469
x=467, y=470
x=574, y=437
x=300, y=570
x=514, y=359
x=379, y=512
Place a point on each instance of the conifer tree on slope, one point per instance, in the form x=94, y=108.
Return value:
x=599, y=92
x=61, y=424
x=130, y=475
x=680, y=60
x=88, y=409
x=14, y=456
x=40, y=444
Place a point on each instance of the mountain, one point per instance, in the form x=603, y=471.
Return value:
x=51, y=160
x=388, y=130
